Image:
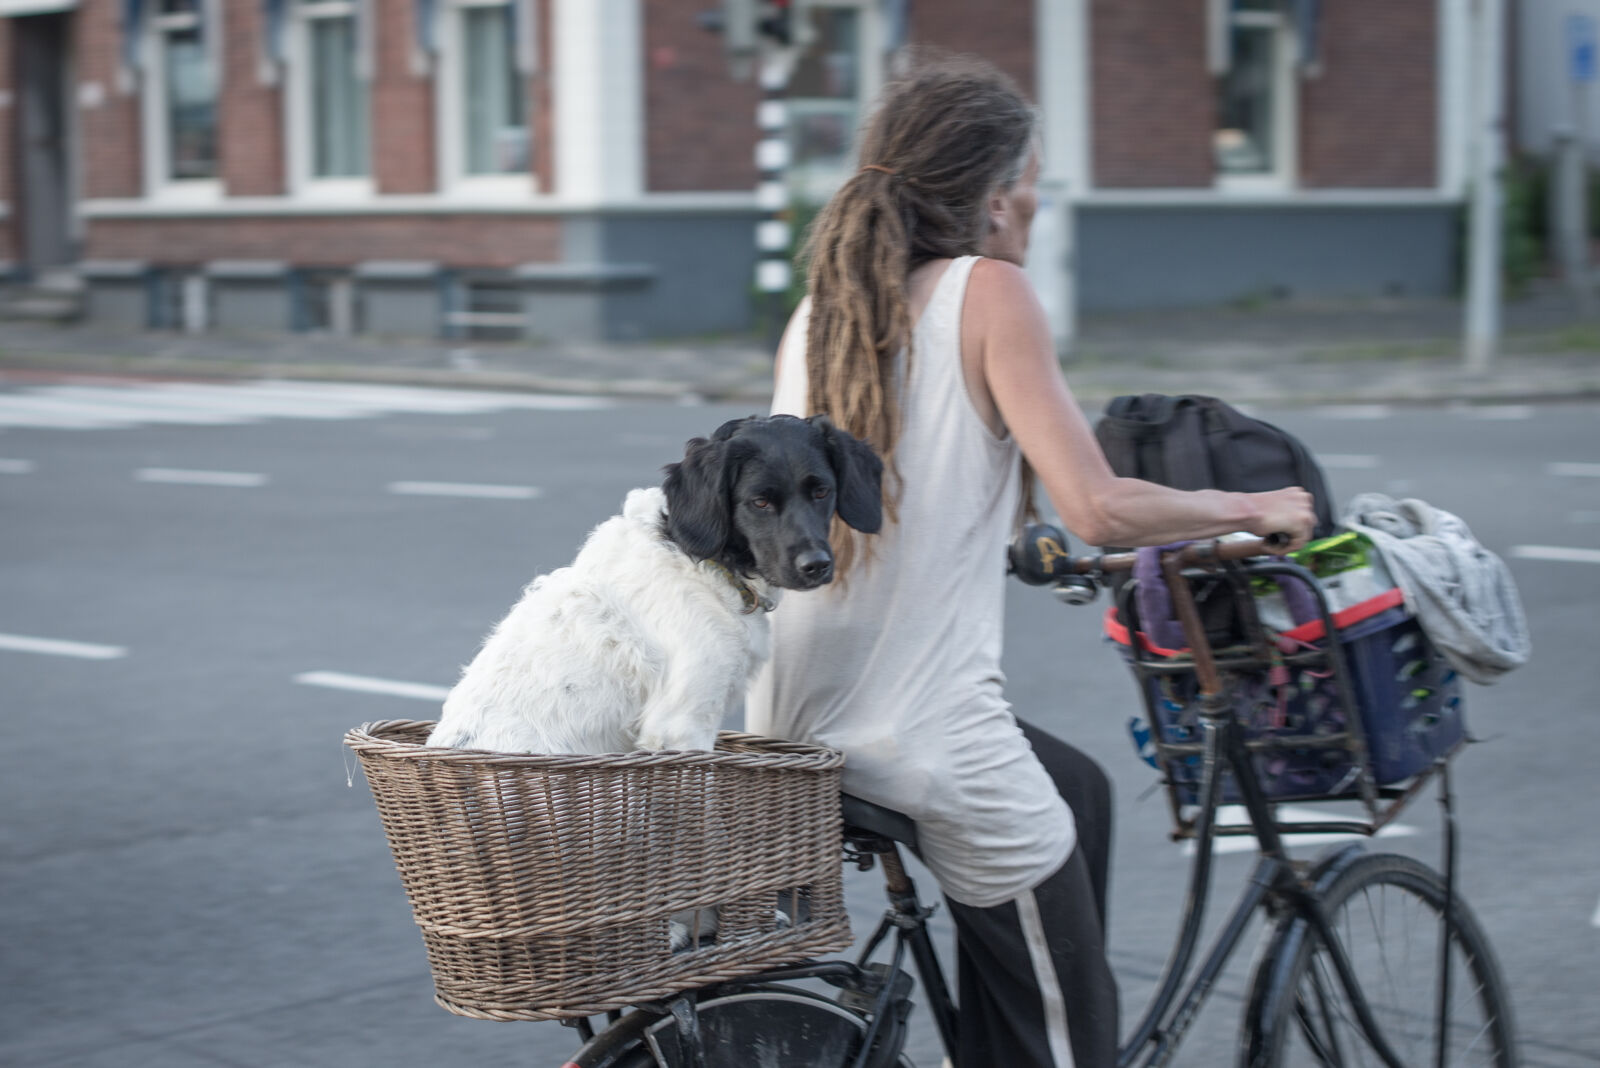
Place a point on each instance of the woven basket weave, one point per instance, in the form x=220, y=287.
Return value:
x=544, y=885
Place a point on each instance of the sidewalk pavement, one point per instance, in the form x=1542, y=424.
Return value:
x=1278, y=353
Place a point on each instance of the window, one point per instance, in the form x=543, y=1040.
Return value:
x=493, y=94
x=181, y=96
x=826, y=95
x=328, y=101
x=1254, y=139
x=483, y=95
x=338, y=94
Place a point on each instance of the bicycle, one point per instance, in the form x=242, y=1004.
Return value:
x=1324, y=989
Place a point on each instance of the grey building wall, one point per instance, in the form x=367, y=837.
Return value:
x=1170, y=256
x=635, y=275
x=703, y=271
x=623, y=276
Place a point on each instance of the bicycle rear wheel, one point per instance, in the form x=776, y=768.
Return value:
x=1387, y=911
x=748, y=1028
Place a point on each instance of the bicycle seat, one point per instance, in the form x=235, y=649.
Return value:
x=864, y=816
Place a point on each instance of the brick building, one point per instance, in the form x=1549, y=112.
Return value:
x=586, y=168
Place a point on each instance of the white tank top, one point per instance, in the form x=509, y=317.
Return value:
x=900, y=667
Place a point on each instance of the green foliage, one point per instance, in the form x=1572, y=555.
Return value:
x=1523, y=229
x=1527, y=187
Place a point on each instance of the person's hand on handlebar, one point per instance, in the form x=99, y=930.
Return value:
x=1286, y=511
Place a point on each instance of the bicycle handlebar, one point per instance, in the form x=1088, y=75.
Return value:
x=1195, y=554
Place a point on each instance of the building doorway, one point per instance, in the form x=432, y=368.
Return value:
x=42, y=53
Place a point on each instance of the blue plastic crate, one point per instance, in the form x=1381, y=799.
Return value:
x=1408, y=696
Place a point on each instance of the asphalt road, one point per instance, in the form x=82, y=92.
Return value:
x=192, y=873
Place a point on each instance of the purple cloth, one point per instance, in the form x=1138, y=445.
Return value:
x=1300, y=600
x=1156, y=617
x=1154, y=599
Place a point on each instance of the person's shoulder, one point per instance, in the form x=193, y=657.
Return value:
x=999, y=292
x=998, y=283
x=998, y=272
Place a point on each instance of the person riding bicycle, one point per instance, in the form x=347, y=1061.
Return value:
x=921, y=334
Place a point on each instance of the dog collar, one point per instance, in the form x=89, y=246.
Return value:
x=747, y=594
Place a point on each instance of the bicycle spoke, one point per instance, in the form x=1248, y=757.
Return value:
x=1327, y=1051
x=1387, y=918
x=1308, y=1030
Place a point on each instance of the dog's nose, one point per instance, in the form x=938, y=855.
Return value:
x=814, y=564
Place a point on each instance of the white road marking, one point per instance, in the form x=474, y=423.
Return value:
x=135, y=405
x=14, y=415
x=1232, y=815
x=1353, y=411
x=248, y=402
x=465, y=489
x=1494, y=411
x=98, y=405
x=21, y=643
x=1594, y=921
x=244, y=479
x=410, y=398
x=1574, y=470
x=369, y=401
x=1348, y=461
x=1556, y=552
x=16, y=467
x=337, y=680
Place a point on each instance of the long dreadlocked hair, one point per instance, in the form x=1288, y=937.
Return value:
x=944, y=138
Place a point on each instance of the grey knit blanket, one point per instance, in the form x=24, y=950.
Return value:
x=1461, y=593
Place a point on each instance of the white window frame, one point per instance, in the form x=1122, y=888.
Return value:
x=821, y=184
x=297, y=106
x=1284, y=174
x=158, y=179
x=453, y=180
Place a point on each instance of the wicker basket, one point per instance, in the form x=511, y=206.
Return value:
x=544, y=885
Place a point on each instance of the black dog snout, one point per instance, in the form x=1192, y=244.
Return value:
x=814, y=564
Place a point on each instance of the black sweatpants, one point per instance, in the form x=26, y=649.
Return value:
x=1034, y=985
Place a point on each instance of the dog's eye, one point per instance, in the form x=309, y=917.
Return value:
x=760, y=502
x=821, y=492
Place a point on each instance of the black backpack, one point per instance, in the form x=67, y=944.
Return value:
x=1194, y=442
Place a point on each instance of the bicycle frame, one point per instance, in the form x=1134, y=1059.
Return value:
x=908, y=918
x=1273, y=883
x=1276, y=883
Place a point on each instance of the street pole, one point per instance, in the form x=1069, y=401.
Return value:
x=1482, y=326
x=773, y=271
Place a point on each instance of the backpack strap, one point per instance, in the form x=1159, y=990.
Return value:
x=1186, y=451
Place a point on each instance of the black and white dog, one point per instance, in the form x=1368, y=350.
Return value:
x=652, y=633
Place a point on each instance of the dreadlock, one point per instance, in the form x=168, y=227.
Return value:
x=943, y=139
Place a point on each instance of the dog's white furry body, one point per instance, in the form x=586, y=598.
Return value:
x=633, y=646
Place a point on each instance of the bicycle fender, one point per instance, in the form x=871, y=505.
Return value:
x=1278, y=953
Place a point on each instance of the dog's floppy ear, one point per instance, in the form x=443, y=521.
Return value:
x=697, y=498
x=859, y=474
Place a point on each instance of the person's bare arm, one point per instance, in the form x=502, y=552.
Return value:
x=1002, y=316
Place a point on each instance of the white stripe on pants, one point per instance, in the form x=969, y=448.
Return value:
x=1044, y=970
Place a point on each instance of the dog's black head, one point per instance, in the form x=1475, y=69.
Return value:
x=759, y=495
